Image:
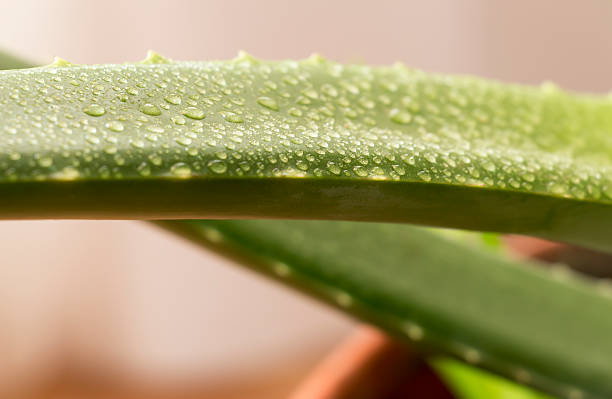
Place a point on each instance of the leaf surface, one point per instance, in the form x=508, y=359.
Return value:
x=311, y=139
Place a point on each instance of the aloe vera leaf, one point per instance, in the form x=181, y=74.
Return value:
x=544, y=329
x=311, y=139
x=467, y=382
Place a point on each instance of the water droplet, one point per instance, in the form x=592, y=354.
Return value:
x=351, y=113
x=115, y=126
x=119, y=160
x=271, y=85
x=335, y=169
x=268, y=102
x=578, y=192
x=489, y=166
x=150, y=109
x=360, y=171
x=94, y=110
x=144, y=169
x=367, y=103
x=194, y=113
x=232, y=117
x=217, y=166
x=424, y=175
x=528, y=177
x=400, y=170
x=400, y=116
x=295, y=112
x=155, y=159
x=378, y=172
x=183, y=140
x=173, y=99
x=311, y=93
x=430, y=157
x=180, y=169
x=557, y=188
x=329, y=90
x=301, y=165
x=290, y=80
x=93, y=139
x=137, y=143
x=155, y=129
x=110, y=149
x=45, y=162
x=178, y=120
x=68, y=173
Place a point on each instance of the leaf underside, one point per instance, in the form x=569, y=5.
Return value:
x=304, y=140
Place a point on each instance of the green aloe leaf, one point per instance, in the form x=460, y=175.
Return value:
x=445, y=293
x=305, y=140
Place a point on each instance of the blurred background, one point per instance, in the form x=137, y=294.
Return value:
x=125, y=307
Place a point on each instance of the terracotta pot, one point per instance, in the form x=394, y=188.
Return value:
x=370, y=365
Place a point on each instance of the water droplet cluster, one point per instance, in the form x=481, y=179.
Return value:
x=311, y=118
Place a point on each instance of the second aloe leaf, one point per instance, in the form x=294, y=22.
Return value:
x=543, y=329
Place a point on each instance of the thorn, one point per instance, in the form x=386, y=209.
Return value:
x=472, y=356
x=243, y=56
x=413, y=331
x=59, y=63
x=522, y=376
x=549, y=87
x=155, y=58
x=281, y=269
x=316, y=58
